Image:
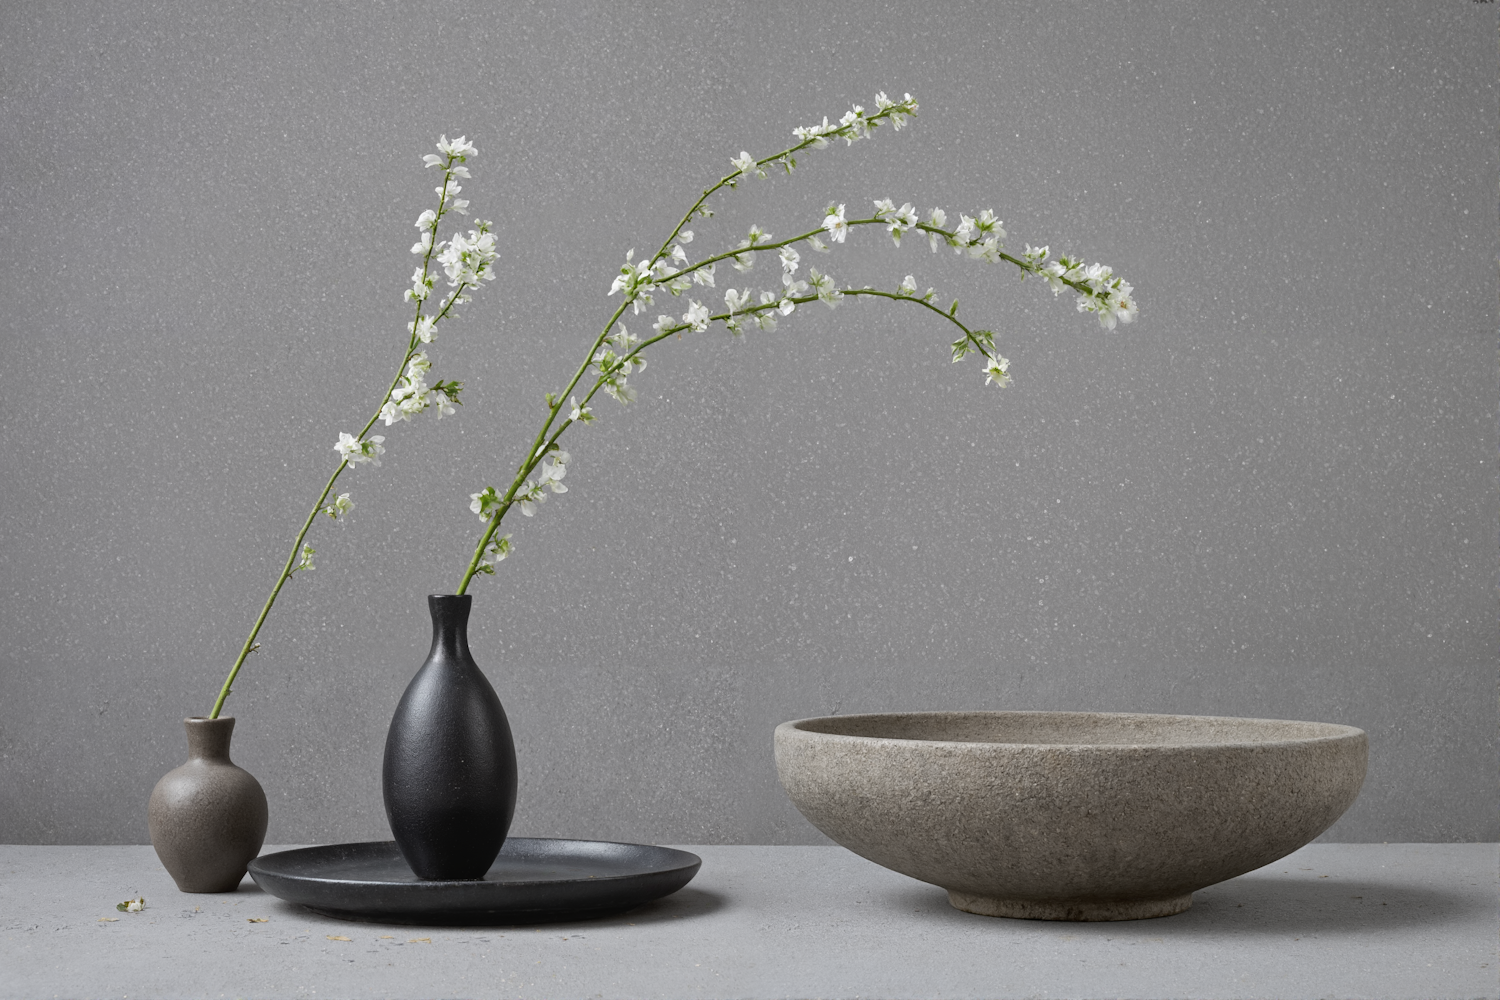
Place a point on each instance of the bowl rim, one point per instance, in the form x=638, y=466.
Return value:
x=1342, y=732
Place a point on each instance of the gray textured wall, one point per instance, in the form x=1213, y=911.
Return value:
x=1272, y=496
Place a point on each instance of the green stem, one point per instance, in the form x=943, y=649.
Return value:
x=542, y=444
x=535, y=454
x=286, y=574
x=1026, y=266
x=873, y=121
x=251, y=645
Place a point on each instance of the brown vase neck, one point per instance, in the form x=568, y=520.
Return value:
x=208, y=739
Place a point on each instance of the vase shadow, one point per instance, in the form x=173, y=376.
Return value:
x=683, y=904
x=1262, y=905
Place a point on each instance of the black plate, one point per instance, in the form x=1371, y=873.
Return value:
x=533, y=880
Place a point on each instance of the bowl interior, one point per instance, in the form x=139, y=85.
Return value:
x=1072, y=728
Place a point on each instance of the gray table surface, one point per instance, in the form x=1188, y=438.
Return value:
x=1331, y=920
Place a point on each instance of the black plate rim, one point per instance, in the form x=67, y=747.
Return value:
x=683, y=859
x=661, y=872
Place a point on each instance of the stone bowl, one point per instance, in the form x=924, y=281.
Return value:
x=1069, y=815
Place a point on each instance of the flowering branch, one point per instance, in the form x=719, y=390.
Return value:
x=466, y=261
x=615, y=354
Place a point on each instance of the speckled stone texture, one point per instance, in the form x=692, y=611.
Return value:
x=207, y=817
x=1070, y=815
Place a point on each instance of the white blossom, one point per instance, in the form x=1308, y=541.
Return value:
x=697, y=316
x=485, y=502
x=834, y=222
x=823, y=285
x=1054, y=273
x=936, y=220
x=997, y=371
x=790, y=288
x=467, y=259
x=341, y=505
x=459, y=148
x=617, y=356
x=744, y=163
x=815, y=133
x=304, y=559
x=964, y=234
x=495, y=552
x=1035, y=256
x=553, y=468
x=900, y=220
x=421, y=286
x=635, y=281
x=1106, y=295
x=858, y=127
x=422, y=328
x=789, y=259
x=620, y=391
x=735, y=301
x=1110, y=299
x=986, y=250
x=766, y=318
x=897, y=118
x=411, y=394
x=988, y=225
x=1122, y=304
x=908, y=286
x=356, y=451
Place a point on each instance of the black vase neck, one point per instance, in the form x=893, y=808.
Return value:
x=450, y=626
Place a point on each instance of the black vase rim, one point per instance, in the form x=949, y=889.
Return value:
x=204, y=718
x=450, y=597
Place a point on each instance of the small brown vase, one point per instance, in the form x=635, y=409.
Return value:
x=207, y=817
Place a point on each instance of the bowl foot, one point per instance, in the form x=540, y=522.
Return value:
x=1041, y=909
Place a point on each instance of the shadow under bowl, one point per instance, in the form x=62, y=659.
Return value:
x=1070, y=815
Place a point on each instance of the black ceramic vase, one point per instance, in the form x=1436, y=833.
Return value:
x=450, y=763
